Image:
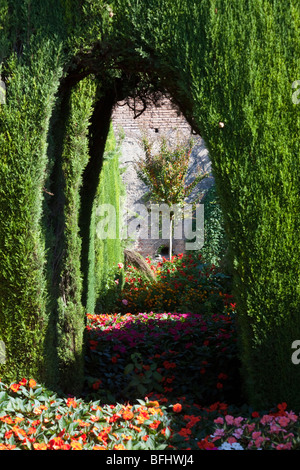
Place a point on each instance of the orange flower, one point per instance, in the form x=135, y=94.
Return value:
x=99, y=448
x=41, y=446
x=19, y=432
x=7, y=420
x=8, y=434
x=114, y=418
x=7, y=447
x=81, y=423
x=71, y=402
x=119, y=447
x=155, y=424
x=18, y=419
x=177, y=407
x=153, y=404
x=76, y=445
x=145, y=438
x=14, y=387
x=134, y=427
x=32, y=430
x=38, y=410
x=32, y=383
x=127, y=415
x=94, y=419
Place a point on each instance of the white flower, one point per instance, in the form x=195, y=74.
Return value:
x=233, y=446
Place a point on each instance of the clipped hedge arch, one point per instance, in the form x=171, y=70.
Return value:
x=64, y=67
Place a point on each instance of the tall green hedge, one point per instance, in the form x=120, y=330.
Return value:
x=24, y=123
x=106, y=253
x=229, y=66
x=69, y=153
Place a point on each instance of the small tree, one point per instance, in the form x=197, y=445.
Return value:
x=165, y=174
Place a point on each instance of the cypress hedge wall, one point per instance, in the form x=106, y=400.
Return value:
x=229, y=66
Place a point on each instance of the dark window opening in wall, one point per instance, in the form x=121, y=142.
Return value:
x=156, y=130
x=163, y=250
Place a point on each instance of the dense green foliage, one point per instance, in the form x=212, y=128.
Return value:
x=229, y=66
x=215, y=240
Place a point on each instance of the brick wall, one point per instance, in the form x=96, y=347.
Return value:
x=156, y=121
x=160, y=120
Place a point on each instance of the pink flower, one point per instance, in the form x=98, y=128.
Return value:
x=275, y=429
x=292, y=416
x=120, y=265
x=258, y=442
x=117, y=281
x=238, y=433
x=217, y=434
x=283, y=421
x=231, y=440
x=289, y=435
x=229, y=419
x=287, y=446
x=250, y=427
x=125, y=302
x=237, y=421
x=266, y=419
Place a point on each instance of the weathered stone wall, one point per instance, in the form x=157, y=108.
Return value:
x=162, y=120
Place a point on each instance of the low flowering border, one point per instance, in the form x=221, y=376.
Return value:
x=33, y=418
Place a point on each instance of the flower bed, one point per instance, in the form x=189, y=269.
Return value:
x=183, y=284
x=154, y=381
x=175, y=354
x=33, y=418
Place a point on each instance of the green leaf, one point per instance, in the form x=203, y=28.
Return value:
x=129, y=368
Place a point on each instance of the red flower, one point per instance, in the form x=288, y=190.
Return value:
x=177, y=407
x=96, y=385
x=205, y=445
x=56, y=443
x=222, y=376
